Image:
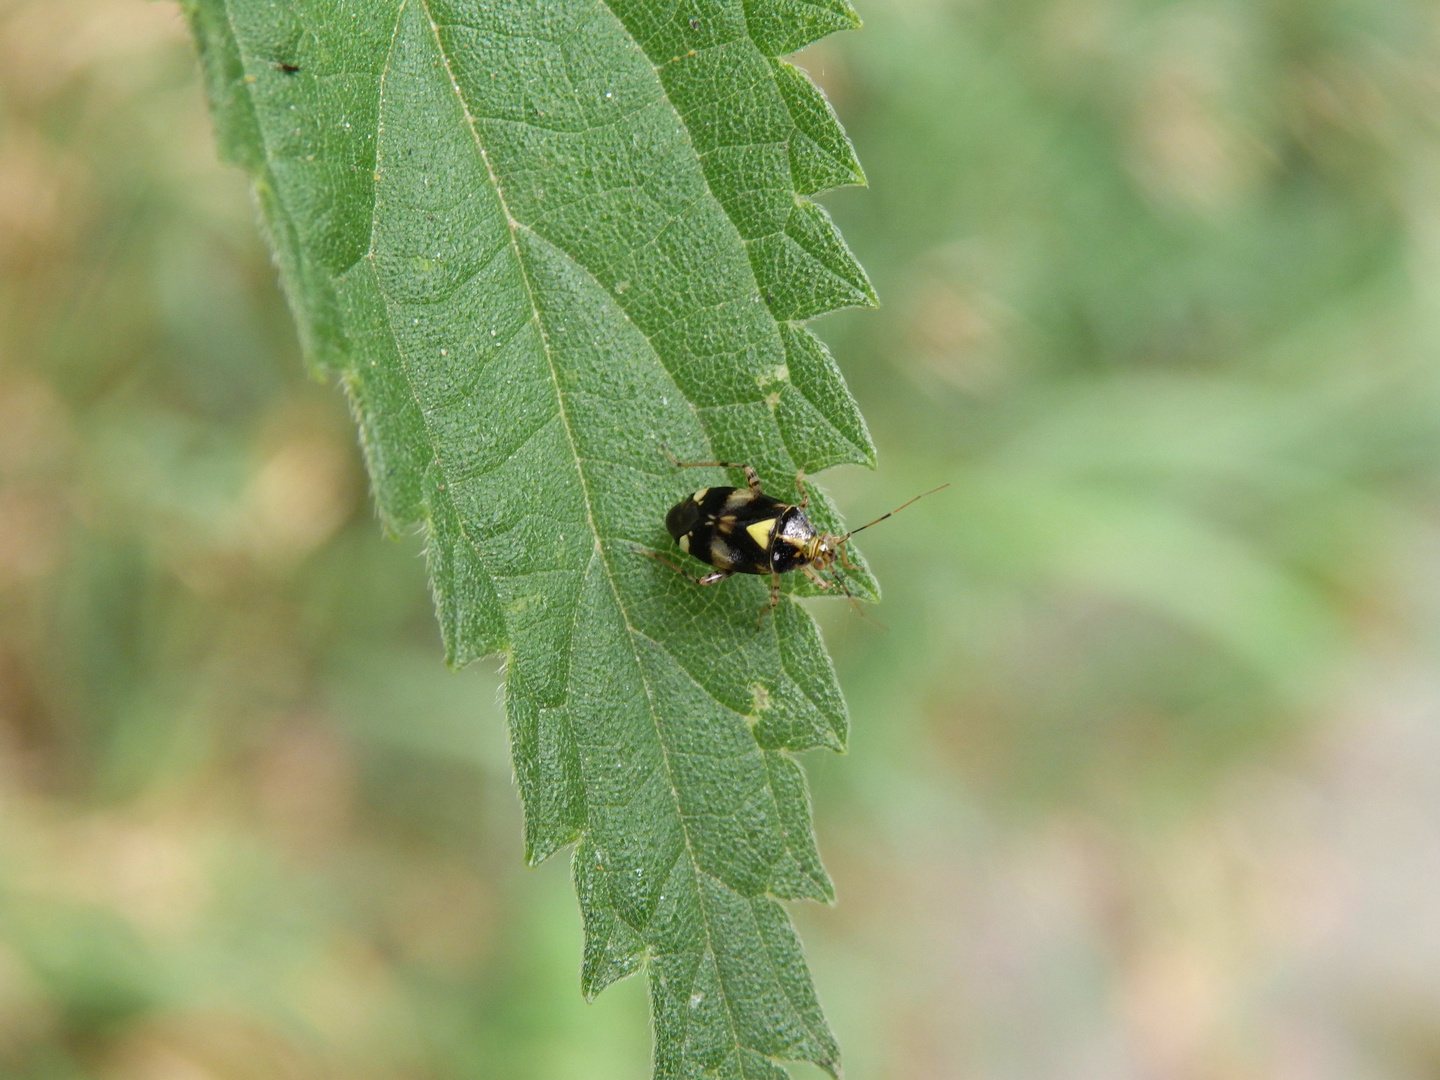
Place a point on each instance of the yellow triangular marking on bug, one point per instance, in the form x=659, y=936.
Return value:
x=760, y=532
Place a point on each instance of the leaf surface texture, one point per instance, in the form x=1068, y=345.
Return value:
x=538, y=243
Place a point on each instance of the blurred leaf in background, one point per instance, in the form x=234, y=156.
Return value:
x=1152, y=748
x=1145, y=779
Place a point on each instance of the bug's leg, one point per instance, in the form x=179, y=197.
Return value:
x=800, y=487
x=752, y=478
x=774, y=600
x=708, y=579
x=816, y=578
x=840, y=580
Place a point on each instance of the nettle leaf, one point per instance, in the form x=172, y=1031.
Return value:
x=538, y=243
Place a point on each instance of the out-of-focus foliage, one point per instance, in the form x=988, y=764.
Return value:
x=1145, y=778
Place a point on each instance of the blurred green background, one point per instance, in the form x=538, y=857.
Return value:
x=1145, y=776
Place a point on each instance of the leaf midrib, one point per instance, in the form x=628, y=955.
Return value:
x=513, y=226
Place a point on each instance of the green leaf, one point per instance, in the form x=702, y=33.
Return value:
x=538, y=244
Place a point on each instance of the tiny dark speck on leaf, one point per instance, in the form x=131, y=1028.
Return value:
x=287, y=68
x=694, y=24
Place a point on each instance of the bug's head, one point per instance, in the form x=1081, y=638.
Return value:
x=823, y=549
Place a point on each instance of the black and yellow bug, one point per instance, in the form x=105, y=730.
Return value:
x=745, y=531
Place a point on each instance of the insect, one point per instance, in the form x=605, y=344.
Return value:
x=745, y=531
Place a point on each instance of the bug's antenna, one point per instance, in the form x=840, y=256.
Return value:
x=892, y=513
x=839, y=579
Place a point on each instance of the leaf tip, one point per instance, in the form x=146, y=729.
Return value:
x=872, y=298
x=827, y=892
